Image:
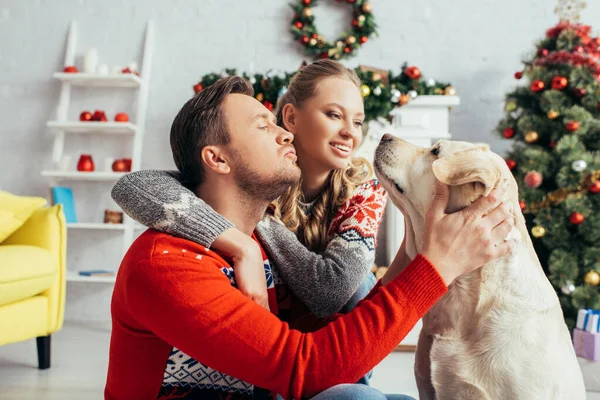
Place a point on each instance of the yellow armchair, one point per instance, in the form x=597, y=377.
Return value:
x=33, y=281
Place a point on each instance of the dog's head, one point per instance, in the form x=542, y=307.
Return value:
x=408, y=172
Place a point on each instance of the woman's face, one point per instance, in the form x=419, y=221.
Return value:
x=327, y=128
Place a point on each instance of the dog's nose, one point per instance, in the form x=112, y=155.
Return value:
x=387, y=137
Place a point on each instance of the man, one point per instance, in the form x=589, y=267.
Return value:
x=181, y=329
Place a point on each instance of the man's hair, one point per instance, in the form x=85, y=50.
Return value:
x=201, y=123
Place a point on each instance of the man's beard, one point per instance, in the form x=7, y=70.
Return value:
x=265, y=187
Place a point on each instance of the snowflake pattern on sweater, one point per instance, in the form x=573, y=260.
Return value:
x=185, y=377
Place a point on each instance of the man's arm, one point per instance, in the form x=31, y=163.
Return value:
x=192, y=306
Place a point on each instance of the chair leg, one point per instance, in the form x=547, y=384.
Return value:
x=43, y=350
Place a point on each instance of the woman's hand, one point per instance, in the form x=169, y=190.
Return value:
x=248, y=264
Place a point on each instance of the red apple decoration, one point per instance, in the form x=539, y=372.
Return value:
x=85, y=116
x=70, y=69
x=99, y=116
x=85, y=163
x=119, y=166
x=122, y=117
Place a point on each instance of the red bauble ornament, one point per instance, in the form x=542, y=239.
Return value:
x=576, y=218
x=533, y=179
x=595, y=187
x=572, y=126
x=579, y=92
x=542, y=52
x=324, y=55
x=518, y=75
x=363, y=39
x=85, y=116
x=537, y=85
x=511, y=164
x=522, y=204
x=559, y=82
x=299, y=24
x=304, y=39
x=85, y=163
x=306, y=2
x=268, y=104
x=122, y=117
x=198, y=88
x=126, y=70
x=585, y=39
x=99, y=116
x=119, y=166
x=552, y=144
x=355, y=23
x=347, y=49
x=508, y=133
x=71, y=69
x=413, y=72
x=315, y=36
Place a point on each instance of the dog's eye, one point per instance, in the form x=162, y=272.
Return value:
x=435, y=151
x=398, y=188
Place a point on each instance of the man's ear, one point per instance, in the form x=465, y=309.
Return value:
x=289, y=116
x=215, y=159
x=475, y=165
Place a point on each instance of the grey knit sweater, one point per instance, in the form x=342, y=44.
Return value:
x=324, y=282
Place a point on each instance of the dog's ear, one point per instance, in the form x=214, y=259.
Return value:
x=475, y=165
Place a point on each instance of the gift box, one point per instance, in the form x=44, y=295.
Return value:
x=586, y=335
x=587, y=345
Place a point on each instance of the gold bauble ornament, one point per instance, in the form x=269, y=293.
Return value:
x=592, y=278
x=450, y=91
x=510, y=106
x=538, y=231
x=361, y=18
x=260, y=97
x=376, y=76
x=367, y=7
x=312, y=41
x=531, y=137
x=307, y=12
x=438, y=91
x=365, y=90
x=553, y=114
x=350, y=39
x=320, y=39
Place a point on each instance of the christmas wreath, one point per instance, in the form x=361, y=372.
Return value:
x=304, y=30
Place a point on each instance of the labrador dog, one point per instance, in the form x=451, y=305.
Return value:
x=499, y=332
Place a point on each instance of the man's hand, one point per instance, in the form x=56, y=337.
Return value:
x=248, y=265
x=461, y=242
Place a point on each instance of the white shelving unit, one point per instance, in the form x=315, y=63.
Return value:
x=114, y=128
x=62, y=127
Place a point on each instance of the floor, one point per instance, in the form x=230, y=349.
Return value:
x=79, y=360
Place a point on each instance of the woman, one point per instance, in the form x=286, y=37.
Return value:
x=322, y=235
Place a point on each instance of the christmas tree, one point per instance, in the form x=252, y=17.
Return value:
x=554, y=120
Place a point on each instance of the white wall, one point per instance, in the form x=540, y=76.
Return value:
x=476, y=45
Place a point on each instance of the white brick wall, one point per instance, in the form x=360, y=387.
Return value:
x=476, y=45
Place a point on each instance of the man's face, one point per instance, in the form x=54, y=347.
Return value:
x=263, y=157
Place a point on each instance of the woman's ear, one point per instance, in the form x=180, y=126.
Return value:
x=289, y=115
x=215, y=159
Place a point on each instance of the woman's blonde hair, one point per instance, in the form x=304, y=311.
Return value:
x=312, y=230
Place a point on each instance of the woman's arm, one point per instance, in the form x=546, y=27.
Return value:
x=158, y=200
x=325, y=282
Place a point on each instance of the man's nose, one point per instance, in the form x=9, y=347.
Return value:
x=388, y=137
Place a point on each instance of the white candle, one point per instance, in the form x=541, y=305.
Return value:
x=90, y=61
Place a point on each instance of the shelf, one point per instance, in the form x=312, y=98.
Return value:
x=97, y=80
x=83, y=176
x=73, y=276
x=96, y=226
x=112, y=128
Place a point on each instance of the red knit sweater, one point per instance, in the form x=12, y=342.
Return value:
x=181, y=329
